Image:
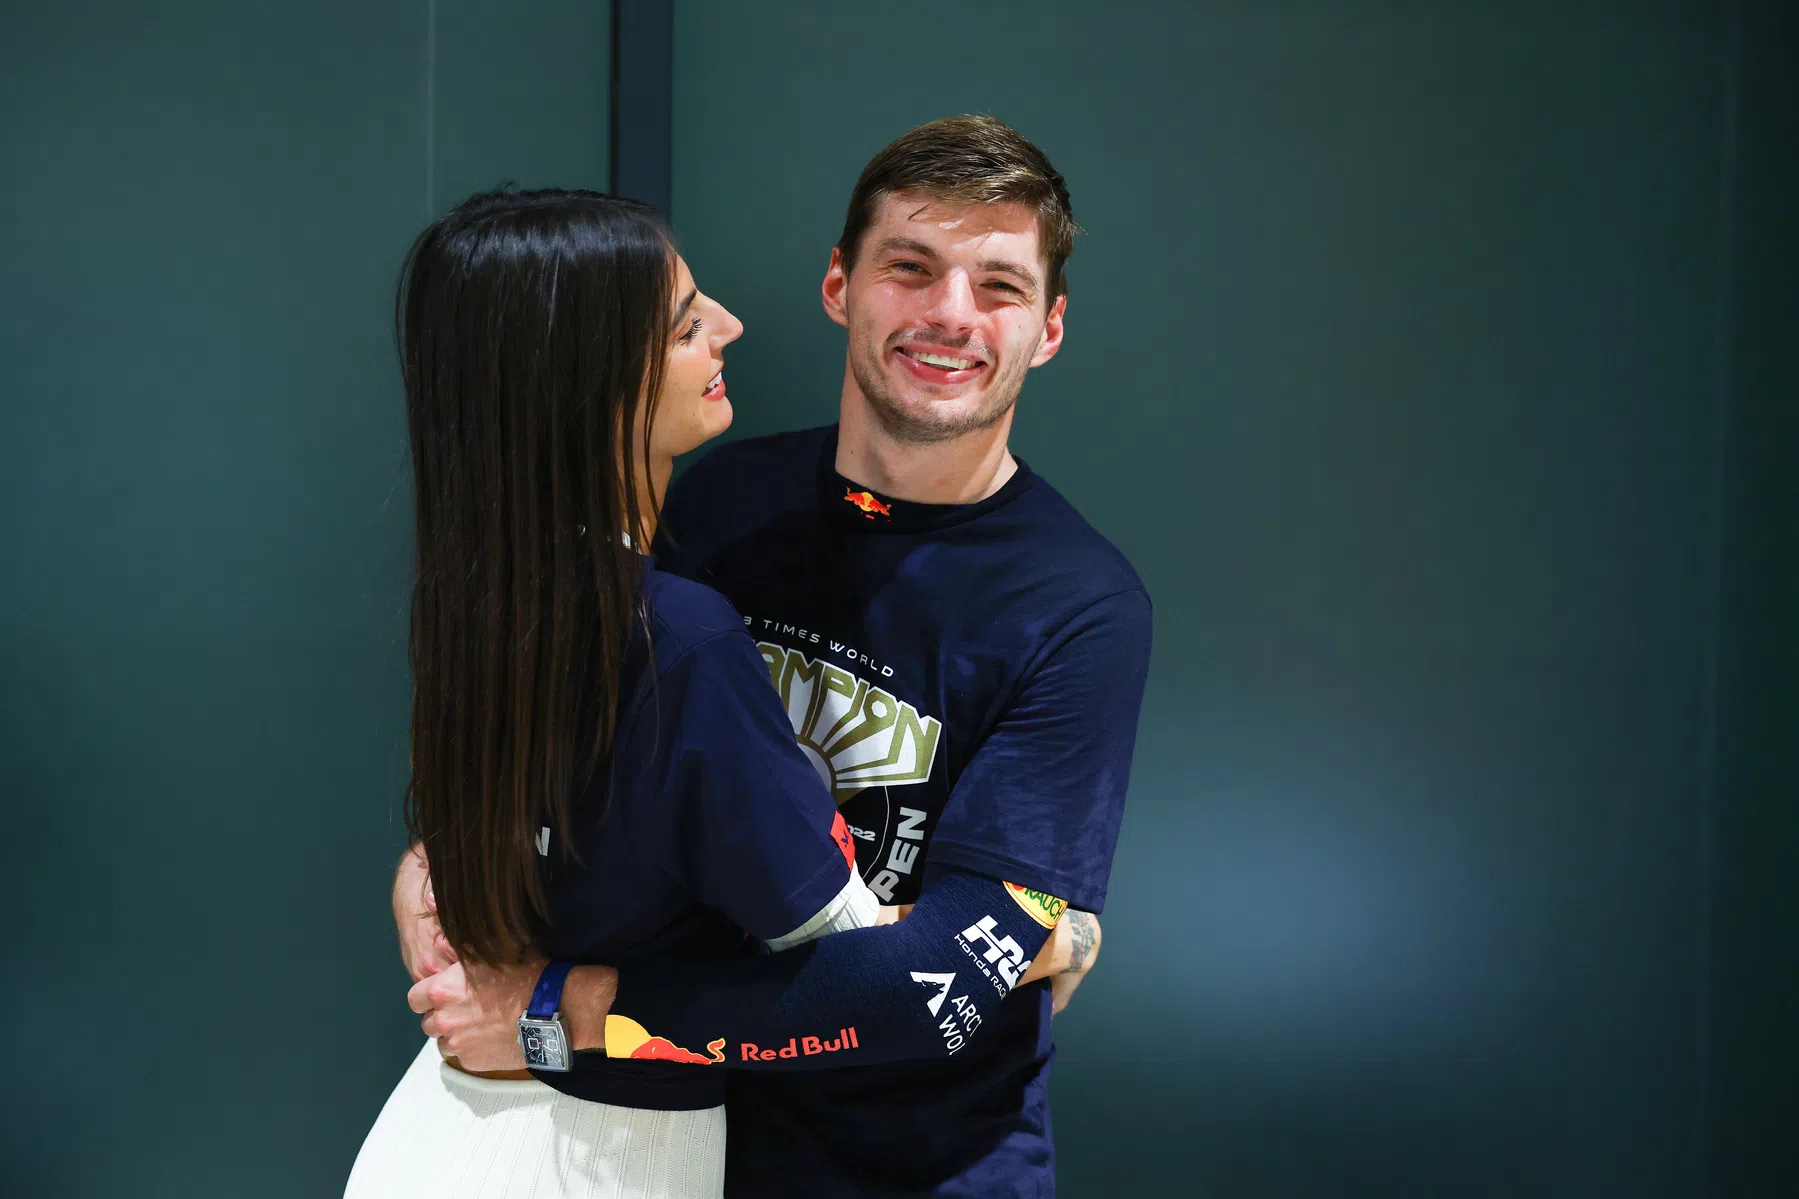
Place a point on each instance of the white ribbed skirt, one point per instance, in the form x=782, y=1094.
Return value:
x=448, y=1135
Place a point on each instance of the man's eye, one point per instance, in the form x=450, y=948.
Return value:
x=907, y=266
x=1003, y=286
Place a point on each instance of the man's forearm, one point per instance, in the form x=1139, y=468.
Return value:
x=586, y=1001
x=1070, y=948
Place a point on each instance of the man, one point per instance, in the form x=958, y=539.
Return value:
x=963, y=658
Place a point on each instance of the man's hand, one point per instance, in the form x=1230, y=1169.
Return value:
x=422, y=945
x=473, y=1011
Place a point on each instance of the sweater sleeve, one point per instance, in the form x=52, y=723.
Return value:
x=913, y=990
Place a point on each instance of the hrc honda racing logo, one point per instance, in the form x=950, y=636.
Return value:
x=998, y=956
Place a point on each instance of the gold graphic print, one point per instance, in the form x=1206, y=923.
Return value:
x=855, y=734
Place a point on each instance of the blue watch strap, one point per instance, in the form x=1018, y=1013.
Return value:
x=548, y=995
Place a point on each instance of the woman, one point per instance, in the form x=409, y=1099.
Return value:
x=601, y=772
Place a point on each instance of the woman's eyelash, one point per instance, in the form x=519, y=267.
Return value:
x=692, y=330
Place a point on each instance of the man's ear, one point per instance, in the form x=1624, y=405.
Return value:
x=1052, y=332
x=837, y=281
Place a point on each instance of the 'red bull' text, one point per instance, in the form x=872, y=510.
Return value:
x=802, y=1046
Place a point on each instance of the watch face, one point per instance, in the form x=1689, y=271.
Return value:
x=544, y=1044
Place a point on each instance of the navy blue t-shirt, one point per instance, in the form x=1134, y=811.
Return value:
x=967, y=678
x=706, y=822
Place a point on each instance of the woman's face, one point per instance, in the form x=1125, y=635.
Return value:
x=692, y=408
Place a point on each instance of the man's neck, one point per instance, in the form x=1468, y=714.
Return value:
x=963, y=470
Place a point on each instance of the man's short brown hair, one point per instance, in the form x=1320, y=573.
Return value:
x=968, y=160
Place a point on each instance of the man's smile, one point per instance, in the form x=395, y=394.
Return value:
x=933, y=364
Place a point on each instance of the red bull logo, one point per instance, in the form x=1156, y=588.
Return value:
x=625, y=1037
x=866, y=503
x=802, y=1046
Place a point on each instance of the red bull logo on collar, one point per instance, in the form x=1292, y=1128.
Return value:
x=865, y=502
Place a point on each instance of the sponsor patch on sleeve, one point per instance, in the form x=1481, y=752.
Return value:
x=840, y=833
x=1044, y=909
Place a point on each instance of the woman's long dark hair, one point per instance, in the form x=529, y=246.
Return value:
x=533, y=326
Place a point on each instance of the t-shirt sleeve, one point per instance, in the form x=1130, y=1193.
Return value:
x=738, y=813
x=1041, y=801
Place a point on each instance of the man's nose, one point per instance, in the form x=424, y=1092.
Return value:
x=952, y=304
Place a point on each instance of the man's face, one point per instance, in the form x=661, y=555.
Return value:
x=946, y=311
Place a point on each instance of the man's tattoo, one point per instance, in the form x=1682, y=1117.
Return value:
x=1082, y=933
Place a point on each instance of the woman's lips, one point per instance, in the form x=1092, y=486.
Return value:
x=715, y=390
x=932, y=373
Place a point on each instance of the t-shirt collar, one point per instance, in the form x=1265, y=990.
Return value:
x=866, y=509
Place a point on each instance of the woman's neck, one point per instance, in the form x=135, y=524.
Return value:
x=652, y=485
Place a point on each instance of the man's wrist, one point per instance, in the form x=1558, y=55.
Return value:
x=586, y=1001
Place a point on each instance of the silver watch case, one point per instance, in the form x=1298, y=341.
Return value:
x=545, y=1043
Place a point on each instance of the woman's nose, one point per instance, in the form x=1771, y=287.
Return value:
x=729, y=327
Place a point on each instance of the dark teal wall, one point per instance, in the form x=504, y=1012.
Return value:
x=1753, y=1083
x=1437, y=369
x=203, y=555
x=1393, y=363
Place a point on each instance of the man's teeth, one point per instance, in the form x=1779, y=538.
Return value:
x=944, y=361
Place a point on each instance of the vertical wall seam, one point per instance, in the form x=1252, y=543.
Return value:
x=642, y=149
x=1717, y=499
x=612, y=109
x=430, y=109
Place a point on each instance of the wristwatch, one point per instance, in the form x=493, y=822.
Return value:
x=541, y=1033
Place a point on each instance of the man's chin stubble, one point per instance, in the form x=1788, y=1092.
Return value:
x=908, y=429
